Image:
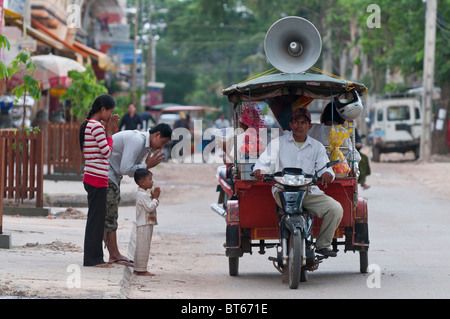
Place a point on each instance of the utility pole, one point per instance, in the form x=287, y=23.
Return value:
x=428, y=78
x=150, y=74
x=136, y=22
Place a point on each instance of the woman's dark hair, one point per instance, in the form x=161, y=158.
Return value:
x=163, y=128
x=330, y=114
x=140, y=174
x=104, y=100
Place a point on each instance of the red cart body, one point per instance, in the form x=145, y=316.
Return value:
x=255, y=211
x=258, y=212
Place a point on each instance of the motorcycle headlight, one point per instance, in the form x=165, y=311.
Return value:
x=293, y=180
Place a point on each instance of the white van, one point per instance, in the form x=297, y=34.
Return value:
x=396, y=127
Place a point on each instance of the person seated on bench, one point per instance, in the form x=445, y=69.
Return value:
x=321, y=132
x=248, y=143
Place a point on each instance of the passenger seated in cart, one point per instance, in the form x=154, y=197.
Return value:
x=321, y=132
x=296, y=149
x=249, y=143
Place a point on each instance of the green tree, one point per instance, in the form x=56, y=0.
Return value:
x=398, y=46
x=82, y=91
x=30, y=85
x=205, y=46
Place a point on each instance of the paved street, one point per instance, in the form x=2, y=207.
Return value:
x=408, y=255
x=408, y=228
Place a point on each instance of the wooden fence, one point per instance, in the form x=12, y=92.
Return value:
x=2, y=169
x=22, y=172
x=63, y=151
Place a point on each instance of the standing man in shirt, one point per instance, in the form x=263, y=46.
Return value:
x=146, y=117
x=221, y=122
x=129, y=151
x=296, y=149
x=131, y=120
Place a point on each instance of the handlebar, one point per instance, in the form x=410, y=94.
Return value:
x=296, y=171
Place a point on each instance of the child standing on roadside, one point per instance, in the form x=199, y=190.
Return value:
x=146, y=203
x=97, y=145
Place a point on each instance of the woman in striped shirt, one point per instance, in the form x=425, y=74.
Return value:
x=97, y=145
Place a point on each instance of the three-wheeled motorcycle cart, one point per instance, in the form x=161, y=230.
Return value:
x=292, y=45
x=252, y=216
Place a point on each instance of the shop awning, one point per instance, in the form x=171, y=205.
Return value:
x=16, y=20
x=43, y=34
x=104, y=61
x=46, y=31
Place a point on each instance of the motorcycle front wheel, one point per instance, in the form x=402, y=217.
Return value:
x=295, y=253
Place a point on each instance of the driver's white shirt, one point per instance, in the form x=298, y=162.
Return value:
x=284, y=152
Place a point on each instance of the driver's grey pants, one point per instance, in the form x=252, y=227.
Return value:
x=325, y=207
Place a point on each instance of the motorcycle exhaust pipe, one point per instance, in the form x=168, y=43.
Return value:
x=284, y=256
x=304, y=253
x=219, y=210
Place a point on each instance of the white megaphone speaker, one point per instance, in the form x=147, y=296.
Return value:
x=292, y=44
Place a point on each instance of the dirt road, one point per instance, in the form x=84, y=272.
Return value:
x=408, y=228
x=408, y=205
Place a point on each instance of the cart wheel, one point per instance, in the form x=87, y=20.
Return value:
x=363, y=261
x=233, y=266
x=295, y=260
x=417, y=152
x=376, y=153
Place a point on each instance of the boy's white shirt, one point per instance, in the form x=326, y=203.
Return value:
x=145, y=208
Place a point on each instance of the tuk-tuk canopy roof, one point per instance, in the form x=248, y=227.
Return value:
x=317, y=86
x=159, y=107
x=287, y=91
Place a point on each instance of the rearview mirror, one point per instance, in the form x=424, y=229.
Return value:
x=329, y=164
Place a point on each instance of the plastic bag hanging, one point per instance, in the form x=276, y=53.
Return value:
x=338, y=134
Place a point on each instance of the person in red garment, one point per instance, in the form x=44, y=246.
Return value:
x=251, y=121
x=97, y=146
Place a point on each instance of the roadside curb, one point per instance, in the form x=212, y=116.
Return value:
x=72, y=200
x=59, y=200
x=128, y=271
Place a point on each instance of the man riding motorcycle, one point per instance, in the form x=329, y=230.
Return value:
x=296, y=149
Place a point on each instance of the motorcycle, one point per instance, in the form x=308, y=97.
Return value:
x=297, y=254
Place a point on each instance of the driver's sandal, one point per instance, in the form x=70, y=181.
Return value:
x=326, y=252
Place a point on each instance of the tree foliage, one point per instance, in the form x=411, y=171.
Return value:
x=82, y=91
x=204, y=46
x=30, y=85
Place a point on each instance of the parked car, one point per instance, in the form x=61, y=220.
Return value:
x=396, y=127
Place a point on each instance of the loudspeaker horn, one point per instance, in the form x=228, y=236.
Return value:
x=293, y=44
